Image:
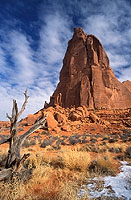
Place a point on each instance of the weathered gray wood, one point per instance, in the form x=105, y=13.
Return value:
x=2, y=141
x=5, y=174
x=8, y=116
x=14, y=157
x=13, y=153
x=37, y=125
x=24, y=104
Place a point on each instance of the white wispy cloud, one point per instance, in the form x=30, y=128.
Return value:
x=125, y=74
x=117, y=60
x=38, y=69
x=54, y=36
x=2, y=61
x=111, y=23
x=22, y=57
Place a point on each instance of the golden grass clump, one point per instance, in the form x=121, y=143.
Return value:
x=12, y=191
x=122, y=146
x=77, y=160
x=47, y=182
x=56, y=175
x=104, y=164
x=70, y=159
x=53, y=185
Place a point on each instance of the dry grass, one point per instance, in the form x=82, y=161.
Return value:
x=122, y=146
x=12, y=191
x=3, y=155
x=77, y=160
x=57, y=175
x=104, y=164
x=47, y=182
x=71, y=159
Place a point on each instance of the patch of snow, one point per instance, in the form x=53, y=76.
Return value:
x=82, y=191
x=118, y=186
x=121, y=184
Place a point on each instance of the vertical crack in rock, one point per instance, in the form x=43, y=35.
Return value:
x=87, y=79
x=90, y=59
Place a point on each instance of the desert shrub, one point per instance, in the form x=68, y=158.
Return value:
x=52, y=184
x=77, y=160
x=115, y=150
x=74, y=139
x=12, y=190
x=28, y=142
x=128, y=152
x=47, y=142
x=103, y=165
x=56, y=175
x=46, y=185
x=71, y=159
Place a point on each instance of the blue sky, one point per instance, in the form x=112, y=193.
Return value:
x=33, y=39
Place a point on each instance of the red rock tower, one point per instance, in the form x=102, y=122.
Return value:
x=86, y=77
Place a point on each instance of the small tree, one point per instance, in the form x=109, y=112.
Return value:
x=14, y=158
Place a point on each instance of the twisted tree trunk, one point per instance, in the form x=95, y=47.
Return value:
x=14, y=158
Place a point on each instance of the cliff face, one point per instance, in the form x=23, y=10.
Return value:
x=86, y=77
x=127, y=84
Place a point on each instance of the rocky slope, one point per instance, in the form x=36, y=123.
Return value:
x=76, y=114
x=76, y=126
x=127, y=84
x=87, y=79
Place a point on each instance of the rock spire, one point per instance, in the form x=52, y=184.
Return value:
x=86, y=77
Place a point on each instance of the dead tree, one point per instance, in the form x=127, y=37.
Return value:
x=14, y=158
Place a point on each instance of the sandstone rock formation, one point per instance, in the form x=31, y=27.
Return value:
x=127, y=84
x=86, y=77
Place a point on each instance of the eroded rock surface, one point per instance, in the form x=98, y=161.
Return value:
x=127, y=84
x=86, y=77
x=77, y=126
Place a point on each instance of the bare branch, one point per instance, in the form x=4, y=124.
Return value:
x=14, y=159
x=5, y=140
x=36, y=126
x=14, y=116
x=8, y=117
x=24, y=104
x=25, y=156
x=13, y=109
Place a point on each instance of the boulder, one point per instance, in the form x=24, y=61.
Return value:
x=74, y=116
x=83, y=111
x=59, y=117
x=51, y=122
x=94, y=118
x=65, y=127
x=31, y=119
